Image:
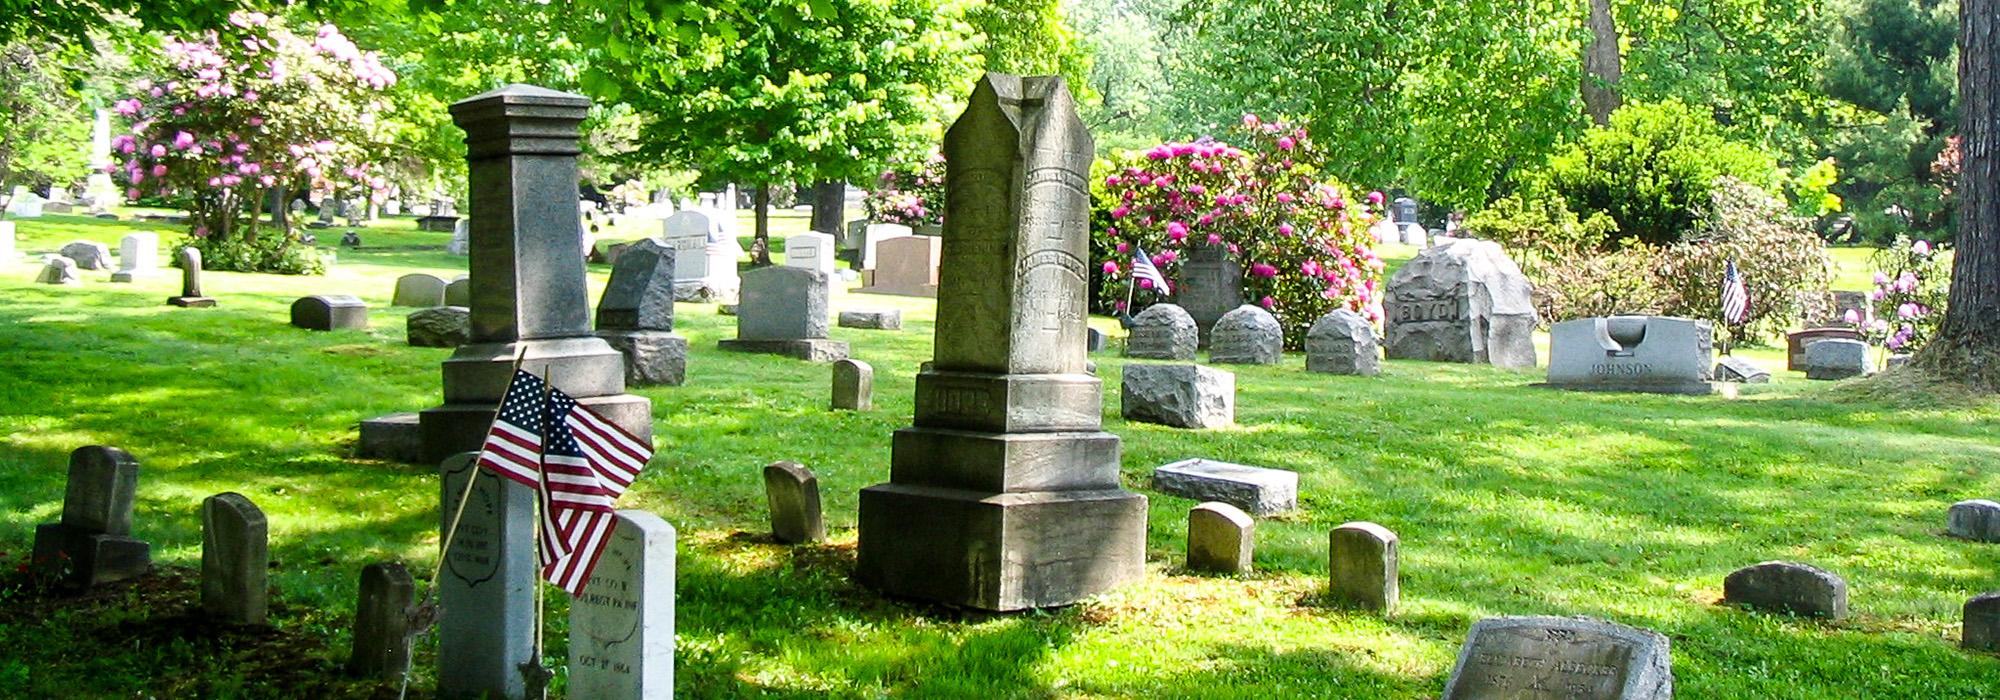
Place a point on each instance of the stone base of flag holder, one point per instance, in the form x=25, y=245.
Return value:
x=476, y=377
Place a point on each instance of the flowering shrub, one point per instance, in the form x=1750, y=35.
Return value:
x=911, y=198
x=236, y=112
x=1785, y=266
x=1302, y=242
x=1909, y=295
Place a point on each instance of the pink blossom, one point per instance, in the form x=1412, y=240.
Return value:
x=1284, y=198
x=1214, y=238
x=182, y=140
x=1310, y=268
x=1852, y=316
x=159, y=151
x=1110, y=267
x=1262, y=270
x=1121, y=211
x=1285, y=143
x=1268, y=303
x=126, y=107
x=160, y=170
x=1123, y=248
x=132, y=193
x=1167, y=256
x=1176, y=230
x=1235, y=249
x=1921, y=247
x=1145, y=283
x=1375, y=198
x=1906, y=311
x=1285, y=229
x=1111, y=181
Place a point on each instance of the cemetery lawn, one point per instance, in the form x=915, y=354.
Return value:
x=1509, y=499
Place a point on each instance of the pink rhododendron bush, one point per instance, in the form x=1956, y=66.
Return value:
x=910, y=194
x=233, y=114
x=1300, y=236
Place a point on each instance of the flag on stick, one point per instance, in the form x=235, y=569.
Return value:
x=1735, y=299
x=1143, y=269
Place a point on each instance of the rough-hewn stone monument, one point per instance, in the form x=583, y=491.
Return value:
x=636, y=315
x=1182, y=396
x=1247, y=335
x=1005, y=494
x=1342, y=342
x=1462, y=301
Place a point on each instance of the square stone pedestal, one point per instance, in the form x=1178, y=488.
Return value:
x=78, y=558
x=454, y=428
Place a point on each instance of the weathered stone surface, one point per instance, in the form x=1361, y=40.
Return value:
x=1362, y=562
x=420, y=290
x=1981, y=630
x=382, y=622
x=1977, y=520
x=906, y=266
x=1796, y=343
x=189, y=260
x=57, y=269
x=1211, y=285
x=1835, y=358
x=1735, y=369
x=329, y=312
x=873, y=319
x=640, y=295
x=396, y=437
x=1182, y=396
x=1342, y=342
x=782, y=303
x=1787, y=587
x=705, y=257
x=103, y=485
x=486, y=593
x=1095, y=341
x=1561, y=657
x=1257, y=490
x=439, y=327
x=235, y=560
x=652, y=358
x=1461, y=301
x=458, y=292
x=1650, y=354
x=1220, y=539
x=138, y=257
x=1248, y=335
x=621, y=629
x=1163, y=332
x=89, y=255
x=91, y=545
x=853, y=386
x=792, y=492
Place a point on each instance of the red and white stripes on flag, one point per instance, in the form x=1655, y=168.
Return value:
x=1735, y=299
x=1144, y=269
x=577, y=462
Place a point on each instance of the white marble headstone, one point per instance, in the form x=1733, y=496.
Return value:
x=813, y=251
x=621, y=629
x=876, y=234
x=138, y=256
x=486, y=595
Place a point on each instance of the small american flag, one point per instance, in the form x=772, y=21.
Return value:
x=577, y=462
x=1735, y=299
x=1143, y=269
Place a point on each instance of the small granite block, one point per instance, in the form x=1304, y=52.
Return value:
x=396, y=437
x=875, y=320
x=1257, y=490
x=1977, y=520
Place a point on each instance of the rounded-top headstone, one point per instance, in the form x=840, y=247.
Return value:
x=1248, y=335
x=1221, y=538
x=1981, y=630
x=1363, y=563
x=1977, y=520
x=1162, y=332
x=235, y=560
x=1561, y=657
x=420, y=290
x=1342, y=342
x=792, y=492
x=1787, y=587
x=103, y=483
x=329, y=312
x=853, y=385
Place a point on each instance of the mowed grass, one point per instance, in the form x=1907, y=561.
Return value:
x=1509, y=499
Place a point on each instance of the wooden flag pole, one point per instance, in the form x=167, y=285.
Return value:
x=533, y=672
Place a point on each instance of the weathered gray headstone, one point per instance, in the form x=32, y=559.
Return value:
x=1220, y=538
x=138, y=257
x=1787, y=587
x=458, y=292
x=396, y=437
x=57, y=269
x=382, y=622
x=486, y=593
x=636, y=316
x=1211, y=285
x=704, y=257
x=1735, y=369
x=191, y=297
x=1797, y=342
x=329, y=312
x=1977, y=520
x=461, y=238
x=906, y=266
x=621, y=629
x=235, y=560
x=89, y=255
x=439, y=327
x=1981, y=631
x=92, y=544
x=853, y=386
x=873, y=319
x=1362, y=562
x=1651, y=354
x=1836, y=358
x=1182, y=396
x=1461, y=301
x=1572, y=658
x=1095, y=341
x=1163, y=332
x=784, y=312
x=1342, y=342
x=1249, y=335
x=1005, y=493
x=420, y=290
x=1257, y=490
x=792, y=492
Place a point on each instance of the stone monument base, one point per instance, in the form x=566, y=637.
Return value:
x=926, y=290
x=81, y=559
x=397, y=437
x=999, y=551
x=1679, y=389
x=133, y=275
x=454, y=428
x=192, y=302
x=652, y=358
x=810, y=349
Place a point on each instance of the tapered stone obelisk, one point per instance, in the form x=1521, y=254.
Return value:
x=1005, y=493
x=528, y=285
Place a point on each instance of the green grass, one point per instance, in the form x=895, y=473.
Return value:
x=1510, y=500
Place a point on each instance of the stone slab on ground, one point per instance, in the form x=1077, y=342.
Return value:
x=1572, y=658
x=1257, y=490
x=810, y=350
x=1787, y=587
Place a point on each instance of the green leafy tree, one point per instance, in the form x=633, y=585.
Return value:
x=1652, y=170
x=45, y=136
x=1893, y=67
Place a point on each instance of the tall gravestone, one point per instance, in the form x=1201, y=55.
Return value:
x=235, y=560
x=621, y=628
x=486, y=593
x=636, y=315
x=191, y=297
x=93, y=544
x=1211, y=285
x=1462, y=301
x=529, y=296
x=1005, y=495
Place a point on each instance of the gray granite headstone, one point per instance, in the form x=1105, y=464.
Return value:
x=1571, y=658
x=397, y=437
x=486, y=593
x=330, y=312
x=1836, y=358
x=1248, y=335
x=640, y=295
x=458, y=292
x=191, y=297
x=57, y=269
x=1650, y=354
x=1211, y=285
x=1257, y=490
x=1738, y=370
x=1981, y=631
x=1977, y=520
x=382, y=622
x=1342, y=342
x=235, y=560
x=1461, y=301
x=792, y=492
x=873, y=319
x=1787, y=587
x=89, y=255
x=905, y=266
x=92, y=545
x=419, y=290
x=1362, y=562
x=853, y=386
x=1163, y=332
x=138, y=257
x=784, y=311
x=439, y=327
x=621, y=628
x=1182, y=396
x=1096, y=341
x=1220, y=538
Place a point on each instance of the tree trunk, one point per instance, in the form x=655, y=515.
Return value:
x=760, y=247
x=1601, y=64
x=830, y=208
x=1967, y=348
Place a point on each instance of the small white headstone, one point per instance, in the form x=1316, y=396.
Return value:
x=138, y=257
x=25, y=205
x=813, y=251
x=621, y=629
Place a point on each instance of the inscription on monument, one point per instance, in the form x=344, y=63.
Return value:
x=1553, y=658
x=1431, y=310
